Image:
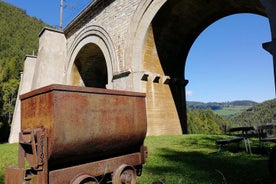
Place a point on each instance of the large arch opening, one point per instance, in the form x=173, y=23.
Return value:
x=174, y=28
x=230, y=64
x=90, y=67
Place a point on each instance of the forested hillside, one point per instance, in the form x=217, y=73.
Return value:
x=214, y=117
x=207, y=121
x=219, y=105
x=18, y=37
x=259, y=114
x=201, y=121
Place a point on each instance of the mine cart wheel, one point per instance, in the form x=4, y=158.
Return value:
x=84, y=179
x=125, y=174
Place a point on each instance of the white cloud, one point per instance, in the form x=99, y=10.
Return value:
x=189, y=93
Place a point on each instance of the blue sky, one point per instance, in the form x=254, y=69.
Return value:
x=226, y=63
x=49, y=10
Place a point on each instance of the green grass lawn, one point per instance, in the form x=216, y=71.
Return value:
x=193, y=159
x=8, y=156
x=231, y=111
x=187, y=159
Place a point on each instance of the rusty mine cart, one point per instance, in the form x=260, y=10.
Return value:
x=77, y=135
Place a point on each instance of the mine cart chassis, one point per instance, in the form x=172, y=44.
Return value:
x=33, y=149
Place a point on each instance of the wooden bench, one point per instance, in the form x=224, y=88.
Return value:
x=242, y=136
x=222, y=142
x=269, y=139
x=265, y=133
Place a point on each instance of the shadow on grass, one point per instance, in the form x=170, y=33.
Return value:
x=183, y=160
x=232, y=166
x=214, y=168
x=2, y=178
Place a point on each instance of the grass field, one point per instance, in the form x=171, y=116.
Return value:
x=193, y=159
x=230, y=111
x=187, y=159
x=8, y=156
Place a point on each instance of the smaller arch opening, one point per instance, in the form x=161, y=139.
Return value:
x=90, y=67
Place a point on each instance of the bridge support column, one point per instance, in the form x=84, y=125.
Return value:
x=50, y=67
x=162, y=116
x=179, y=94
x=270, y=8
x=271, y=48
x=24, y=87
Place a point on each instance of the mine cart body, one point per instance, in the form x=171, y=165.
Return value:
x=71, y=134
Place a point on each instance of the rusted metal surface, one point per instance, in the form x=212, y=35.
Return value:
x=84, y=178
x=75, y=134
x=33, y=144
x=124, y=174
x=85, y=123
x=14, y=175
x=94, y=168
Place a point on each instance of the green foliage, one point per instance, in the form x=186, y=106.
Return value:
x=205, y=122
x=9, y=91
x=18, y=37
x=259, y=114
x=219, y=105
x=239, y=113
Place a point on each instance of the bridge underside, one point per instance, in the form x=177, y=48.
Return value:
x=179, y=23
x=91, y=67
x=175, y=28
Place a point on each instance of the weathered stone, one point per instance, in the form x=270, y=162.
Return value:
x=135, y=45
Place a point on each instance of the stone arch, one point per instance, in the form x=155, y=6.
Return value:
x=189, y=25
x=90, y=67
x=175, y=25
x=138, y=29
x=91, y=59
x=159, y=99
x=210, y=11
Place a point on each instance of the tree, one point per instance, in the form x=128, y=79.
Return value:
x=205, y=122
x=18, y=37
x=9, y=92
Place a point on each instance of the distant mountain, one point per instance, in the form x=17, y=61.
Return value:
x=219, y=105
x=238, y=113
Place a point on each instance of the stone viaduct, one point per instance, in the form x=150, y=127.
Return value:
x=135, y=45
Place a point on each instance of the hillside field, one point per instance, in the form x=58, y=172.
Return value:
x=229, y=112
